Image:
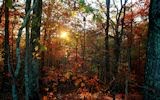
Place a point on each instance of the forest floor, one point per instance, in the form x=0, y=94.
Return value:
x=64, y=84
x=68, y=84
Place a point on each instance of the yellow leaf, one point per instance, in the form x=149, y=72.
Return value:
x=73, y=13
x=36, y=48
x=37, y=54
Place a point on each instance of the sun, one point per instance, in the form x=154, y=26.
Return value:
x=64, y=35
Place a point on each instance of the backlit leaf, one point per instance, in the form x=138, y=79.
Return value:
x=43, y=48
x=36, y=48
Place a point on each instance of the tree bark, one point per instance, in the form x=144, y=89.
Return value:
x=107, y=69
x=129, y=50
x=35, y=37
x=27, y=60
x=6, y=84
x=152, y=70
x=104, y=72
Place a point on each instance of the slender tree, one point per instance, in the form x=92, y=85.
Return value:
x=6, y=84
x=129, y=42
x=35, y=37
x=152, y=70
x=18, y=56
x=119, y=32
x=84, y=43
x=27, y=61
x=106, y=70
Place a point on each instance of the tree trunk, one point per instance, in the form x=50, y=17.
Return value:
x=6, y=84
x=27, y=60
x=117, y=52
x=129, y=41
x=105, y=71
x=118, y=37
x=35, y=37
x=84, y=44
x=152, y=70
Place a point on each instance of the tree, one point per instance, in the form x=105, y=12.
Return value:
x=119, y=32
x=35, y=37
x=129, y=43
x=152, y=70
x=27, y=52
x=5, y=84
x=106, y=71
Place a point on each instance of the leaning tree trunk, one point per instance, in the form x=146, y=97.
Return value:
x=152, y=70
x=35, y=37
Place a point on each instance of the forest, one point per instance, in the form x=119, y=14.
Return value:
x=79, y=49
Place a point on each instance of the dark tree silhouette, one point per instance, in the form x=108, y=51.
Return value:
x=152, y=70
x=35, y=37
x=6, y=85
x=27, y=61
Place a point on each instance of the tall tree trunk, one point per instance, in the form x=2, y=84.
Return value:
x=18, y=40
x=27, y=60
x=129, y=40
x=152, y=70
x=105, y=71
x=118, y=37
x=6, y=84
x=35, y=37
x=8, y=70
x=117, y=52
x=84, y=44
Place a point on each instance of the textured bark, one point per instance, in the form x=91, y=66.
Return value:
x=18, y=64
x=26, y=19
x=104, y=72
x=6, y=85
x=107, y=69
x=129, y=58
x=27, y=60
x=152, y=70
x=8, y=70
x=35, y=37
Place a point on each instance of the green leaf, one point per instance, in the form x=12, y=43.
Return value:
x=43, y=48
x=94, y=17
x=36, y=48
x=81, y=2
x=89, y=9
x=9, y=3
x=97, y=18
